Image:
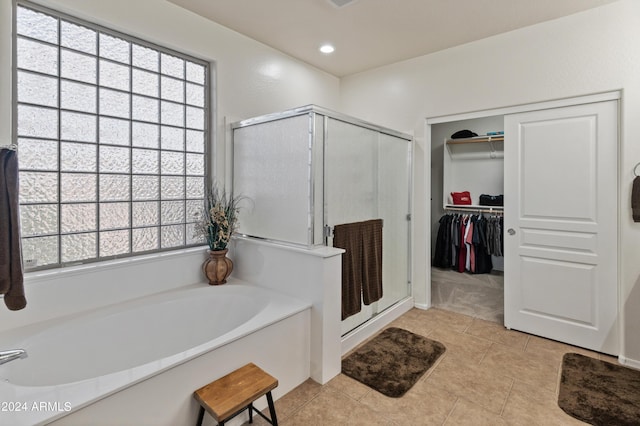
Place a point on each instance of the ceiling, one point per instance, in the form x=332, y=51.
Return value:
x=371, y=33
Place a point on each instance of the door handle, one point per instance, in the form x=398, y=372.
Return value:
x=511, y=231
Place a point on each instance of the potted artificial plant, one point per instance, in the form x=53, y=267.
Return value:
x=218, y=223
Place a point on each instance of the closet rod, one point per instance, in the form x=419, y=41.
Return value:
x=475, y=210
x=476, y=139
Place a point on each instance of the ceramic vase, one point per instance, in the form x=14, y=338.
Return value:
x=218, y=267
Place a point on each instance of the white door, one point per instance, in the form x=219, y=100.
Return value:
x=560, y=226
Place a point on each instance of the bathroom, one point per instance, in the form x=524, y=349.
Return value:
x=252, y=79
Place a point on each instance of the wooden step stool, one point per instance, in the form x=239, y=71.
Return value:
x=230, y=395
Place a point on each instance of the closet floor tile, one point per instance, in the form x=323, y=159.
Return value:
x=477, y=295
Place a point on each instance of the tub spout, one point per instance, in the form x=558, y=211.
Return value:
x=10, y=355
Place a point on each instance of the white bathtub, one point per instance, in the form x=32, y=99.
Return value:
x=77, y=360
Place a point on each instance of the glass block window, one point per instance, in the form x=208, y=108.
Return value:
x=111, y=134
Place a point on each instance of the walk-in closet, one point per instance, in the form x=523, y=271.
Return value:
x=550, y=183
x=472, y=163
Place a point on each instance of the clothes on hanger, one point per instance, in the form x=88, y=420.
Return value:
x=467, y=242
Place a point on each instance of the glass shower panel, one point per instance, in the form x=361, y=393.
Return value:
x=367, y=177
x=351, y=162
x=272, y=172
x=394, y=183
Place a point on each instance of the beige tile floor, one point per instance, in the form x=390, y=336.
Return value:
x=488, y=376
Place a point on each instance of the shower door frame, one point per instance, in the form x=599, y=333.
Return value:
x=318, y=233
x=328, y=230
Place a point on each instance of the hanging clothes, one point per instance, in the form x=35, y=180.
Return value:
x=467, y=242
x=443, y=253
x=494, y=240
x=462, y=247
x=483, y=264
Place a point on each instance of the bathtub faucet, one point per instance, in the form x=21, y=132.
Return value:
x=10, y=355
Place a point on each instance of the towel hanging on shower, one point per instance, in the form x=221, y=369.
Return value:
x=361, y=263
x=11, y=275
x=372, y=261
x=346, y=237
x=635, y=199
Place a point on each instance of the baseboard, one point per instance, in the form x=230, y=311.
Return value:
x=375, y=324
x=631, y=363
x=422, y=306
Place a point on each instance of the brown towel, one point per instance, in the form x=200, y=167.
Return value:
x=11, y=277
x=635, y=199
x=371, y=261
x=347, y=237
x=361, y=263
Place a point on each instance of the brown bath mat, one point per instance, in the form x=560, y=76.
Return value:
x=598, y=392
x=393, y=361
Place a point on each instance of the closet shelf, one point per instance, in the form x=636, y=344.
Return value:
x=476, y=139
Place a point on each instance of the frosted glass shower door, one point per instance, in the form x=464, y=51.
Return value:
x=394, y=206
x=367, y=177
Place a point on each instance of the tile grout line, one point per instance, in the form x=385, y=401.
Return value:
x=484, y=355
x=504, y=404
x=455, y=404
x=301, y=406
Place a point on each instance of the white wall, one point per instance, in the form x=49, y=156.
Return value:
x=589, y=52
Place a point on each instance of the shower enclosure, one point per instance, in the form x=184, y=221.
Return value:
x=305, y=170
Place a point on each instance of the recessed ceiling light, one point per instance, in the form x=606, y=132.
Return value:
x=341, y=3
x=327, y=48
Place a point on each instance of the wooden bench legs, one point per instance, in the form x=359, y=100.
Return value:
x=272, y=413
x=230, y=395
